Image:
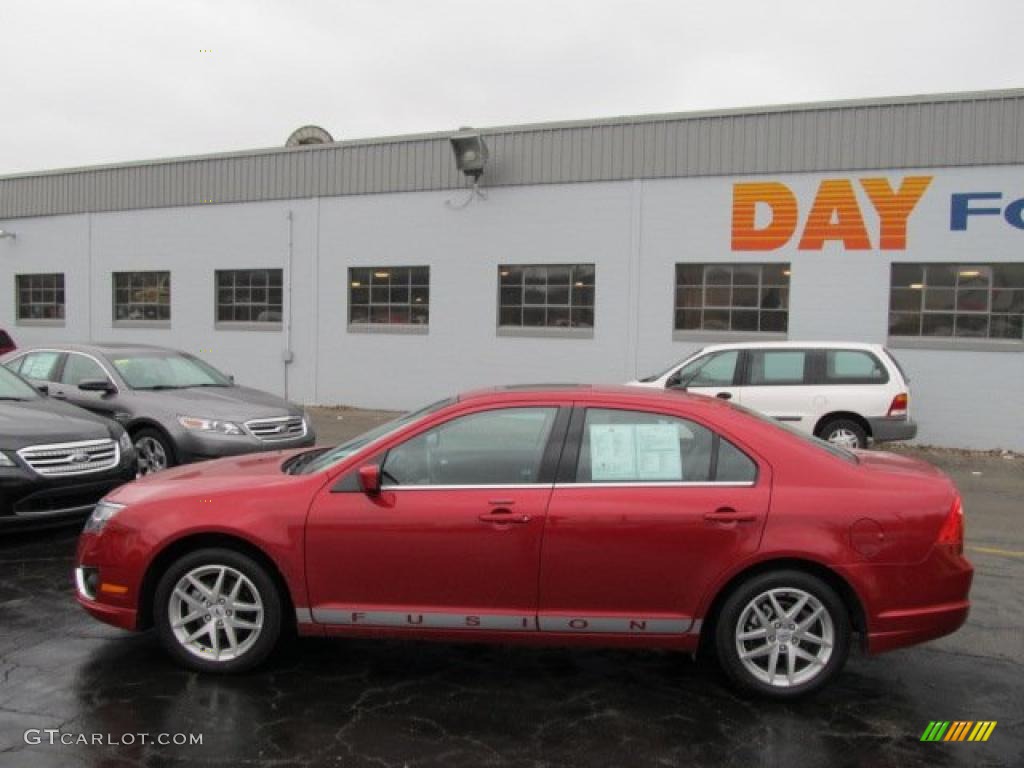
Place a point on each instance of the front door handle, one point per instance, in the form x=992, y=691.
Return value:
x=502, y=516
x=59, y=395
x=724, y=395
x=728, y=515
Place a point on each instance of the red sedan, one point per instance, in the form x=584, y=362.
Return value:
x=571, y=515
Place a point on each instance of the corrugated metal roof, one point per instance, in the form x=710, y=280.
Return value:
x=962, y=129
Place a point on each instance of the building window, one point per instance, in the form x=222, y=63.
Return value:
x=748, y=298
x=974, y=301
x=389, y=296
x=546, y=296
x=142, y=297
x=249, y=295
x=40, y=297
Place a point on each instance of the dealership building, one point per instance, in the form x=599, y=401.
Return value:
x=376, y=273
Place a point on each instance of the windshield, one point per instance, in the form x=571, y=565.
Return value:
x=346, y=449
x=13, y=387
x=168, y=371
x=659, y=374
x=836, y=450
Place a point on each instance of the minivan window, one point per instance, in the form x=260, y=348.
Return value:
x=715, y=370
x=853, y=366
x=777, y=366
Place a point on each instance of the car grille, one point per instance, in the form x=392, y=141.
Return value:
x=281, y=428
x=63, y=459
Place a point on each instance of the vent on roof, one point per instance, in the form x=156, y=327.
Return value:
x=308, y=134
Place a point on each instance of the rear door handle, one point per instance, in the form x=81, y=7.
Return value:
x=503, y=517
x=728, y=515
x=724, y=395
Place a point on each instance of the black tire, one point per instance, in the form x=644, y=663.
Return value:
x=732, y=613
x=268, y=595
x=834, y=427
x=158, y=437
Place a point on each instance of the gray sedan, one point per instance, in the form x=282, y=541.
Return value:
x=177, y=408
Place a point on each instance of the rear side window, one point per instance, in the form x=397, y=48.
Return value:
x=778, y=367
x=639, y=447
x=39, y=365
x=853, y=366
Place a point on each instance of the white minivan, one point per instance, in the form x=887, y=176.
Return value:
x=843, y=392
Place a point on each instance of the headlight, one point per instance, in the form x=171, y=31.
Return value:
x=210, y=425
x=5, y=460
x=100, y=515
x=125, y=442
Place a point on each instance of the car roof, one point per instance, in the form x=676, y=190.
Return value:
x=794, y=345
x=98, y=348
x=569, y=392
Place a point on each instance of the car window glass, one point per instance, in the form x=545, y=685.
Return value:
x=15, y=364
x=734, y=466
x=500, y=447
x=637, y=447
x=39, y=365
x=853, y=366
x=77, y=368
x=777, y=366
x=714, y=370
x=168, y=372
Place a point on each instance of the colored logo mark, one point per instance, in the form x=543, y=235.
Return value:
x=958, y=730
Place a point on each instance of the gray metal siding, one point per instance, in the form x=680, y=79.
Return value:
x=957, y=130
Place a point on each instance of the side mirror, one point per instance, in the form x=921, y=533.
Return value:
x=673, y=381
x=97, y=385
x=231, y=378
x=369, y=479
x=42, y=389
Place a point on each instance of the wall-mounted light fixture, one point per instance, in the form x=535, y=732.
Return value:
x=471, y=155
x=7, y=233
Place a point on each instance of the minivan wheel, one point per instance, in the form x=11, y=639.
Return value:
x=783, y=634
x=154, y=451
x=845, y=433
x=217, y=610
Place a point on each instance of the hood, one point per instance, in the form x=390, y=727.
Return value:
x=227, y=403
x=43, y=421
x=248, y=473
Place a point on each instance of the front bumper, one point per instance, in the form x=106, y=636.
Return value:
x=29, y=500
x=886, y=429
x=199, y=446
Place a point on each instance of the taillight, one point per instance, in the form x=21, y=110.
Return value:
x=951, y=534
x=898, y=407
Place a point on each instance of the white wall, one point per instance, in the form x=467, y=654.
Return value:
x=634, y=232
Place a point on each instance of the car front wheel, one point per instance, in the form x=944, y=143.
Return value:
x=217, y=610
x=783, y=634
x=154, y=451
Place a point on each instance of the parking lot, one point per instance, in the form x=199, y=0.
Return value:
x=393, y=703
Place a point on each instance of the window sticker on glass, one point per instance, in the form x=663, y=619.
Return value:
x=628, y=452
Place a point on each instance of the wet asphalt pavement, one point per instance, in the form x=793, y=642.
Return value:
x=393, y=703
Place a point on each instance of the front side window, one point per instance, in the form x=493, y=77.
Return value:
x=979, y=301
x=500, y=447
x=546, y=296
x=778, y=367
x=78, y=368
x=41, y=366
x=389, y=296
x=749, y=298
x=640, y=447
x=142, y=297
x=715, y=370
x=249, y=295
x=40, y=297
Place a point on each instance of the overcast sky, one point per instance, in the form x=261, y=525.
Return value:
x=115, y=80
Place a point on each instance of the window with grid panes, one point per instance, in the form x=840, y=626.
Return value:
x=750, y=298
x=142, y=296
x=389, y=296
x=546, y=296
x=249, y=295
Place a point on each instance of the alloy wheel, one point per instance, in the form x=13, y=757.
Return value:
x=785, y=637
x=845, y=438
x=152, y=455
x=216, y=612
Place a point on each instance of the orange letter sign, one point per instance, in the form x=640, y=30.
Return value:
x=778, y=197
x=835, y=215
x=894, y=207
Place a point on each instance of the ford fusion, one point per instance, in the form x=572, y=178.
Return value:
x=569, y=515
x=56, y=461
x=176, y=407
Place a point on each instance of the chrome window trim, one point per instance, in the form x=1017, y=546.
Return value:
x=509, y=486
x=662, y=484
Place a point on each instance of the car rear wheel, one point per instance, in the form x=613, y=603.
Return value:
x=154, y=451
x=844, y=432
x=217, y=610
x=783, y=634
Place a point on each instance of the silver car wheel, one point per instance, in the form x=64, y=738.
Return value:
x=845, y=438
x=215, y=612
x=152, y=456
x=785, y=637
